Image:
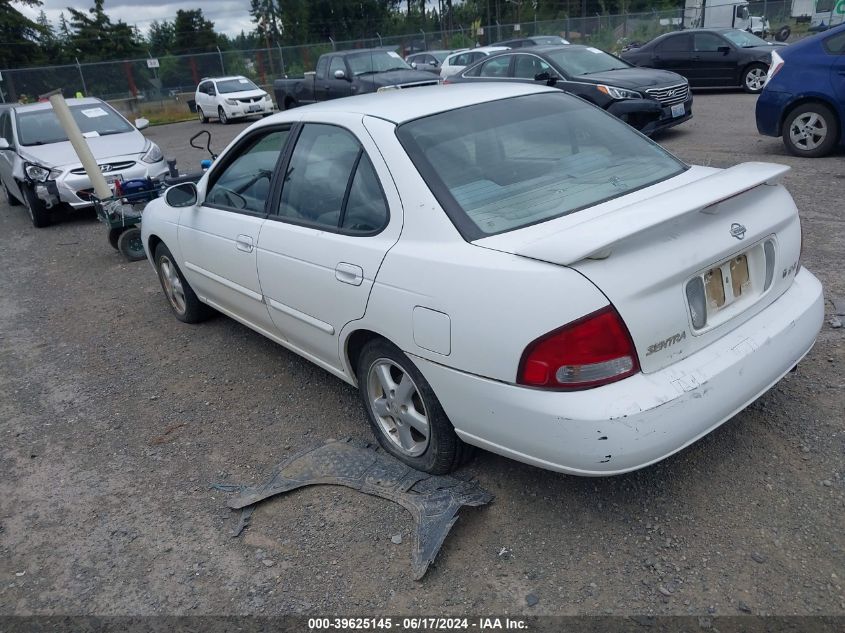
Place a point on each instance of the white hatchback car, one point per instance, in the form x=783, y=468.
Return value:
x=228, y=98
x=504, y=266
x=456, y=62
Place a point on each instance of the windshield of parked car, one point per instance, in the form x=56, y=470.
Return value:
x=585, y=60
x=41, y=127
x=375, y=62
x=744, y=39
x=506, y=164
x=235, y=85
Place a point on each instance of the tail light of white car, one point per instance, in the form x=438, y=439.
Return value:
x=775, y=66
x=592, y=351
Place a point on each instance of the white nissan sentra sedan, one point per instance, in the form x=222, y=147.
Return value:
x=501, y=266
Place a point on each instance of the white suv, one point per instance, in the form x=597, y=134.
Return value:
x=230, y=98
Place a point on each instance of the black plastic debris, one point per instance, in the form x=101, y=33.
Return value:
x=433, y=500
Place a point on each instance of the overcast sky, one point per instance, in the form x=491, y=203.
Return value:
x=229, y=16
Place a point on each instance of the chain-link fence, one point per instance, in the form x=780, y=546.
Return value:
x=174, y=77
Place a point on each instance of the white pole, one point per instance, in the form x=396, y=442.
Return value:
x=81, y=146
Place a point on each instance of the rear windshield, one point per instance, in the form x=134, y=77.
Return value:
x=41, y=127
x=507, y=164
x=235, y=85
x=585, y=61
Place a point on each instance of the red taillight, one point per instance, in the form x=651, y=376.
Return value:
x=592, y=351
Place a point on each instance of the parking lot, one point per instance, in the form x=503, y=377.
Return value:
x=115, y=418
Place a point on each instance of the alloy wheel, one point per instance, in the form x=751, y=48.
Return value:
x=173, y=289
x=808, y=131
x=755, y=79
x=398, y=407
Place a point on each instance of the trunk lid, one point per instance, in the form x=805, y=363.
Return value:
x=643, y=249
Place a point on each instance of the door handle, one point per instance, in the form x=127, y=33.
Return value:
x=349, y=274
x=244, y=243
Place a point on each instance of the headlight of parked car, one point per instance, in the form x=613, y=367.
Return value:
x=619, y=93
x=37, y=173
x=267, y=97
x=232, y=101
x=153, y=153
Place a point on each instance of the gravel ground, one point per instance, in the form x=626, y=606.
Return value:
x=114, y=419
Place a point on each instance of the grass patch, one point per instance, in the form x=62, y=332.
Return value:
x=165, y=112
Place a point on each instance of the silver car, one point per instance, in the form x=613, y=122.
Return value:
x=39, y=167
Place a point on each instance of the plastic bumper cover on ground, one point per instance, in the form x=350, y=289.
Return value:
x=645, y=418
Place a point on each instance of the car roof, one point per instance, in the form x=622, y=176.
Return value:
x=226, y=78
x=400, y=106
x=46, y=105
x=439, y=50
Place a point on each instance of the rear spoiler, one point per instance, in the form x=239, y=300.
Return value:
x=595, y=238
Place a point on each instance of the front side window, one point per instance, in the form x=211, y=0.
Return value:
x=330, y=183
x=41, y=127
x=507, y=164
x=244, y=183
x=707, y=43
x=337, y=64
x=529, y=66
x=496, y=67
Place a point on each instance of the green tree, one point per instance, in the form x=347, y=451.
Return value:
x=192, y=32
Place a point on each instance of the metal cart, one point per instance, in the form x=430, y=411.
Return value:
x=121, y=213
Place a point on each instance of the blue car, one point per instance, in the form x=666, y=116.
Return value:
x=804, y=96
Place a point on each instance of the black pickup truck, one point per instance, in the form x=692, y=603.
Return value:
x=347, y=73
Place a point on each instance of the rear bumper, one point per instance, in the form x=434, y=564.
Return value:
x=769, y=111
x=643, y=419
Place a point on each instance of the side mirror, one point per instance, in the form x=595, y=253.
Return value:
x=339, y=74
x=543, y=76
x=142, y=124
x=414, y=65
x=724, y=50
x=182, y=195
x=4, y=144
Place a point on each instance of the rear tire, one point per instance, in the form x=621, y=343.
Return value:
x=810, y=130
x=221, y=114
x=38, y=212
x=754, y=78
x=404, y=413
x=182, y=299
x=201, y=115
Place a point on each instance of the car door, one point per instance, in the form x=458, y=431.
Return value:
x=714, y=60
x=338, y=87
x=319, y=252
x=218, y=236
x=673, y=53
x=7, y=155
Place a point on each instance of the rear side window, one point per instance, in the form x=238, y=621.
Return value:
x=835, y=45
x=674, y=43
x=330, y=183
x=506, y=164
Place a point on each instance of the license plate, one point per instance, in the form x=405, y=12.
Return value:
x=111, y=179
x=678, y=110
x=727, y=283
x=255, y=108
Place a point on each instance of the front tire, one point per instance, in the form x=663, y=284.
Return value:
x=754, y=78
x=13, y=202
x=38, y=212
x=221, y=114
x=810, y=130
x=182, y=299
x=404, y=413
x=201, y=115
